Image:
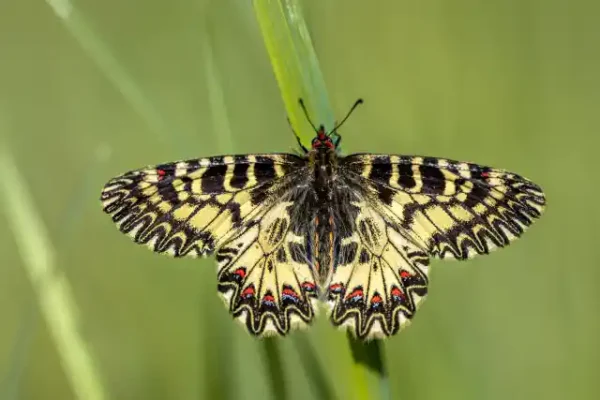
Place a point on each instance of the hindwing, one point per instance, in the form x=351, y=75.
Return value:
x=265, y=275
x=380, y=279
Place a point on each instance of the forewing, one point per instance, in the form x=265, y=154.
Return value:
x=380, y=277
x=452, y=209
x=190, y=208
x=265, y=275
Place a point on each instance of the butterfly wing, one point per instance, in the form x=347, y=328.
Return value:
x=240, y=208
x=189, y=208
x=265, y=274
x=452, y=209
x=380, y=277
x=405, y=210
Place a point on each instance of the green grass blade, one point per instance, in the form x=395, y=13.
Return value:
x=71, y=216
x=20, y=350
x=218, y=107
x=56, y=302
x=84, y=194
x=97, y=50
x=369, y=369
x=295, y=64
x=320, y=386
x=217, y=354
x=298, y=74
x=275, y=368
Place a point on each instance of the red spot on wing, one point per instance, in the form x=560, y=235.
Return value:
x=404, y=274
x=376, y=299
x=268, y=298
x=485, y=174
x=241, y=272
x=248, y=292
x=356, y=294
x=289, y=292
x=336, y=288
x=396, y=292
x=308, y=286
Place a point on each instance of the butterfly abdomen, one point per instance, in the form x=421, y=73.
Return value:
x=324, y=245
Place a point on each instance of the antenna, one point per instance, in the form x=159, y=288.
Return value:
x=306, y=114
x=297, y=137
x=356, y=104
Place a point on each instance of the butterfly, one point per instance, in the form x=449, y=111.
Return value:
x=293, y=231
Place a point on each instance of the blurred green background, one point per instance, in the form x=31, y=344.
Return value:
x=117, y=85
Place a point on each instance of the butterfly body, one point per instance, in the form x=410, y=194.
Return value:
x=322, y=163
x=355, y=232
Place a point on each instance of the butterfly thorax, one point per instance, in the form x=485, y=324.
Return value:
x=323, y=164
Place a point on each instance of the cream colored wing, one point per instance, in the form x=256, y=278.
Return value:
x=452, y=209
x=380, y=279
x=265, y=275
x=190, y=208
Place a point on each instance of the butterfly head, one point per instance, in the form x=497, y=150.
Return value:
x=323, y=141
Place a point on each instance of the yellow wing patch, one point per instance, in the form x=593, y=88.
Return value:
x=190, y=208
x=265, y=276
x=375, y=292
x=453, y=209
